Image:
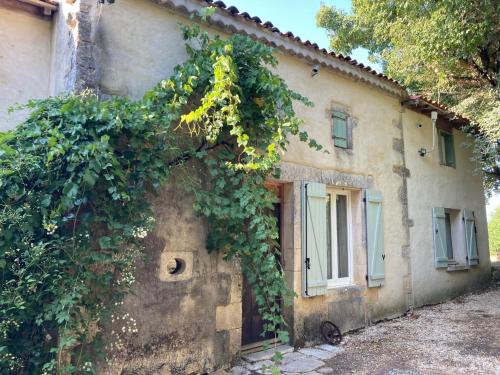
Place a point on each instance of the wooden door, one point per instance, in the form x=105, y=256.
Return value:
x=252, y=325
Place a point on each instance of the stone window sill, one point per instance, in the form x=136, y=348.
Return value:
x=345, y=290
x=457, y=267
x=453, y=166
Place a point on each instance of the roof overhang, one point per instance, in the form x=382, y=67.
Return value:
x=426, y=106
x=44, y=8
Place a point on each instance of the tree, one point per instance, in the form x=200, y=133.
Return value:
x=448, y=50
x=494, y=231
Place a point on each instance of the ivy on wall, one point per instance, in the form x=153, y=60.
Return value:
x=74, y=184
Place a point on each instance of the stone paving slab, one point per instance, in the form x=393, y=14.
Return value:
x=289, y=357
x=303, y=365
x=258, y=365
x=328, y=348
x=306, y=361
x=267, y=354
x=317, y=353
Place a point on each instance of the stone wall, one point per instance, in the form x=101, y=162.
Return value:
x=431, y=184
x=188, y=322
x=25, y=61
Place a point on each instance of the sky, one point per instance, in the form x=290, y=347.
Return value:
x=493, y=203
x=299, y=17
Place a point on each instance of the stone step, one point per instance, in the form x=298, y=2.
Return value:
x=267, y=354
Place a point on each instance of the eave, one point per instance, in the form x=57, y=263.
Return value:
x=426, y=106
x=42, y=8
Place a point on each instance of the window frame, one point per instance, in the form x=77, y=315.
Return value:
x=442, y=148
x=449, y=232
x=335, y=281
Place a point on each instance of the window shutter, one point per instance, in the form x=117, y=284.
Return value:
x=314, y=241
x=340, y=129
x=470, y=237
x=375, y=238
x=440, y=239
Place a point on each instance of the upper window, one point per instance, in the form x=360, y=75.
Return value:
x=454, y=237
x=341, y=130
x=338, y=237
x=446, y=148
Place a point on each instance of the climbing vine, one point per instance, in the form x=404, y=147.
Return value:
x=75, y=178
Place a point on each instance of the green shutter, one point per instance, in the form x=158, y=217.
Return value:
x=449, y=150
x=470, y=237
x=340, y=129
x=375, y=238
x=314, y=239
x=440, y=239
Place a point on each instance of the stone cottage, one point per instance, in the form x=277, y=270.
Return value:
x=397, y=211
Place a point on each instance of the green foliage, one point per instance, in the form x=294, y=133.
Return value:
x=484, y=107
x=445, y=49
x=494, y=231
x=73, y=211
x=74, y=182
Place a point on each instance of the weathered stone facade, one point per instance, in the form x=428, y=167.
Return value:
x=191, y=321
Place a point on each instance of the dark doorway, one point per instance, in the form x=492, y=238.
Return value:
x=252, y=325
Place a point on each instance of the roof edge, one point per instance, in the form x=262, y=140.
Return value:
x=242, y=22
x=230, y=18
x=421, y=104
x=46, y=7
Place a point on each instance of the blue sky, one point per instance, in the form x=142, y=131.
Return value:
x=299, y=17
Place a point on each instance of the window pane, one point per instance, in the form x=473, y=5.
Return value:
x=449, y=151
x=442, y=148
x=446, y=148
x=342, y=253
x=328, y=237
x=449, y=250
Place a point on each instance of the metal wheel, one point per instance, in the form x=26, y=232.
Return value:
x=330, y=333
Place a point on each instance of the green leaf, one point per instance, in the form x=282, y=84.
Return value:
x=105, y=242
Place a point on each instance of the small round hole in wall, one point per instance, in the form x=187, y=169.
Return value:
x=175, y=266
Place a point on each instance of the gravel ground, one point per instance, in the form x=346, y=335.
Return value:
x=461, y=336
x=458, y=337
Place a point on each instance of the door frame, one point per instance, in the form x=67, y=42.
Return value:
x=278, y=187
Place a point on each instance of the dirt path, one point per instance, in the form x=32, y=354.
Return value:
x=458, y=337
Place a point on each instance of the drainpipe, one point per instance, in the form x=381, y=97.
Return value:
x=422, y=152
